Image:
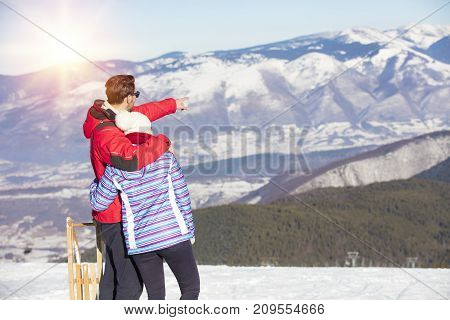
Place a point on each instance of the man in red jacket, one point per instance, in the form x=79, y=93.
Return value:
x=109, y=145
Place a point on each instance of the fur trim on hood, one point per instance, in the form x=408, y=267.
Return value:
x=130, y=122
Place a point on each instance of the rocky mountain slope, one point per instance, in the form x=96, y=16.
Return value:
x=399, y=160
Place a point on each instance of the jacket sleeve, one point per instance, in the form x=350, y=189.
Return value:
x=103, y=193
x=156, y=110
x=116, y=149
x=182, y=196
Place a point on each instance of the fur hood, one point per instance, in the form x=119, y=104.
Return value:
x=130, y=122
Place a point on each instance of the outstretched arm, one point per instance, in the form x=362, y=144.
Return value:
x=103, y=193
x=156, y=110
x=117, y=150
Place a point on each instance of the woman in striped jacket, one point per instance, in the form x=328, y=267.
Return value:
x=156, y=217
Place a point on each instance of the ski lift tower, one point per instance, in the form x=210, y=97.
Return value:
x=411, y=262
x=352, y=255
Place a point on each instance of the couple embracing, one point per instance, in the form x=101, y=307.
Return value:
x=139, y=198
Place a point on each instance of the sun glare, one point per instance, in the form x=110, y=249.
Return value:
x=75, y=36
x=58, y=53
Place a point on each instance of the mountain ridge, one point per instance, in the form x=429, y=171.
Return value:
x=383, y=161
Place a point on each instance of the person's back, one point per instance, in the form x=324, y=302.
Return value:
x=156, y=207
x=157, y=222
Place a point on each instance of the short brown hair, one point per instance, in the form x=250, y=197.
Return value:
x=119, y=87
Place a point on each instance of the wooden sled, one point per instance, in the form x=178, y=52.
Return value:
x=84, y=277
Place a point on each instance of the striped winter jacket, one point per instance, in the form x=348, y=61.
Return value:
x=156, y=206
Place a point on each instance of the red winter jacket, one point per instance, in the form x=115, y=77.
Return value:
x=109, y=145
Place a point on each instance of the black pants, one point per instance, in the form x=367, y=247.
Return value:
x=120, y=280
x=181, y=261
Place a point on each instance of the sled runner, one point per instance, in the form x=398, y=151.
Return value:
x=84, y=277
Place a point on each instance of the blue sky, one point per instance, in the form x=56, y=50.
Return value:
x=139, y=30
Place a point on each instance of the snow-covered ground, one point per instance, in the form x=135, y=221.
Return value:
x=223, y=282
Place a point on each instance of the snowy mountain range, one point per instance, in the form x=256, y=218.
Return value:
x=328, y=96
x=387, y=88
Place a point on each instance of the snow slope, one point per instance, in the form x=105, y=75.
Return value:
x=223, y=282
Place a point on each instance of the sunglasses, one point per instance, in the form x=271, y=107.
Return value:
x=136, y=94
